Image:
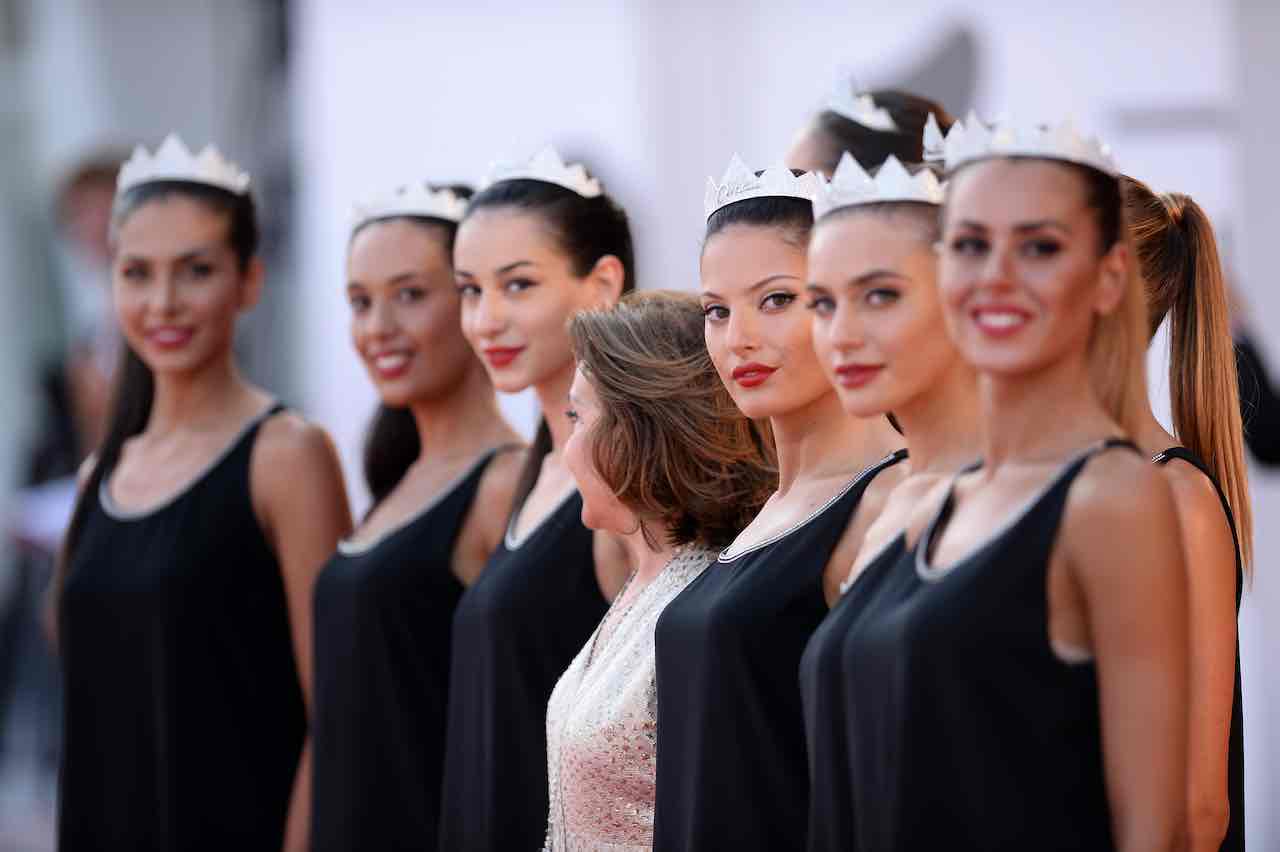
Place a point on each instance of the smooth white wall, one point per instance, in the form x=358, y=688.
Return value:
x=657, y=95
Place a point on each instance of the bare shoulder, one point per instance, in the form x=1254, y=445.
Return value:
x=1199, y=507
x=1118, y=487
x=294, y=459
x=287, y=437
x=882, y=486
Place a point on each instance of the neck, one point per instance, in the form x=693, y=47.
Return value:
x=648, y=563
x=1141, y=423
x=820, y=439
x=1042, y=415
x=943, y=425
x=200, y=396
x=461, y=419
x=553, y=399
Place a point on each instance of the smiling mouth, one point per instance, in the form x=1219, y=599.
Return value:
x=170, y=337
x=500, y=356
x=391, y=364
x=753, y=375
x=1000, y=322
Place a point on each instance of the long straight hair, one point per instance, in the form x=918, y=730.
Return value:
x=134, y=388
x=1182, y=273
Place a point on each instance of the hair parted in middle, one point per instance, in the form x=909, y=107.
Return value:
x=669, y=440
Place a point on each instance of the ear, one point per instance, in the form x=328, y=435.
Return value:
x=251, y=291
x=1116, y=271
x=605, y=280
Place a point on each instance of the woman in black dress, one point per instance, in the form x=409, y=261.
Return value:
x=538, y=244
x=1020, y=679
x=879, y=334
x=1178, y=260
x=731, y=767
x=184, y=595
x=384, y=603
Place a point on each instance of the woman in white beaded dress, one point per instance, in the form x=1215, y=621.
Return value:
x=664, y=459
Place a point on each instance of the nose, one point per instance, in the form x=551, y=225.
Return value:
x=741, y=335
x=380, y=320
x=844, y=331
x=164, y=296
x=488, y=314
x=997, y=268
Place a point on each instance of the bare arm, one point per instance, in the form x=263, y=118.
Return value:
x=1121, y=548
x=486, y=522
x=1211, y=575
x=300, y=497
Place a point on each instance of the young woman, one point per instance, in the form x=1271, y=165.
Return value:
x=871, y=126
x=1026, y=684
x=185, y=591
x=1178, y=260
x=664, y=460
x=539, y=244
x=879, y=334
x=384, y=603
x=731, y=772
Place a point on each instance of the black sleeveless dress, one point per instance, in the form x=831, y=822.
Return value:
x=1234, y=839
x=184, y=718
x=515, y=631
x=963, y=729
x=383, y=618
x=827, y=703
x=731, y=761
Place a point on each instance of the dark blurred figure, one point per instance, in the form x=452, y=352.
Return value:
x=73, y=397
x=1259, y=393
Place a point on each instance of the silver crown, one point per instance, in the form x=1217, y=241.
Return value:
x=416, y=199
x=740, y=183
x=851, y=186
x=548, y=167
x=860, y=109
x=173, y=160
x=972, y=140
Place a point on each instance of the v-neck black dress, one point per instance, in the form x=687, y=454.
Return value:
x=963, y=729
x=1234, y=839
x=184, y=718
x=515, y=631
x=383, y=626
x=731, y=758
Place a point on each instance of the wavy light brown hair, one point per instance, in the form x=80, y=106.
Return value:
x=669, y=440
x=1182, y=276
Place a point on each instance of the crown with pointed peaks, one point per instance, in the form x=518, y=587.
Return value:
x=851, y=186
x=416, y=199
x=173, y=160
x=860, y=109
x=548, y=167
x=972, y=140
x=740, y=183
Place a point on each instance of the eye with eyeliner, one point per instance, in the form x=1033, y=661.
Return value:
x=777, y=300
x=715, y=312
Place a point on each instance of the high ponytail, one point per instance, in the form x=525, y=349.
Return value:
x=1177, y=254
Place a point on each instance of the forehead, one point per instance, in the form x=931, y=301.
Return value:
x=493, y=237
x=171, y=225
x=741, y=255
x=855, y=242
x=1006, y=192
x=385, y=249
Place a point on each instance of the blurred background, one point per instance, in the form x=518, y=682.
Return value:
x=325, y=101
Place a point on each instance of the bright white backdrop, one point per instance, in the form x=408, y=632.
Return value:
x=658, y=95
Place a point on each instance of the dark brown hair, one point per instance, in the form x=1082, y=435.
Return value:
x=872, y=147
x=669, y=441
x=1182, y=276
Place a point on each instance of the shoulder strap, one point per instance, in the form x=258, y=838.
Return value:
x=1163, y=457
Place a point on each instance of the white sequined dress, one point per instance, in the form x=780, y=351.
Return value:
x=602, y=729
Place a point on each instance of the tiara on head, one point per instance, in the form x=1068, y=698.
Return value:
x=740, y=183
x=851, y=186
x=173, y=160
x=548, y=167
x=860, y=109
x=972, y=140
x=416, y=199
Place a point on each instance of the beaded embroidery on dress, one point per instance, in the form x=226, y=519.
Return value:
x=602, y=728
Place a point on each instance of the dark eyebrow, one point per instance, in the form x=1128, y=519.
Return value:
x=875, y=275
x=1042, y=224
x=763, y=282
x=503, y=270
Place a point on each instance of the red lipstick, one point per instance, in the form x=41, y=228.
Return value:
x=856, y=375
x=753, y=375
x=502, y=356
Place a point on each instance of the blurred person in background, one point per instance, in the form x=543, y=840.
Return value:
x=183, y=594
x=437, y=460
